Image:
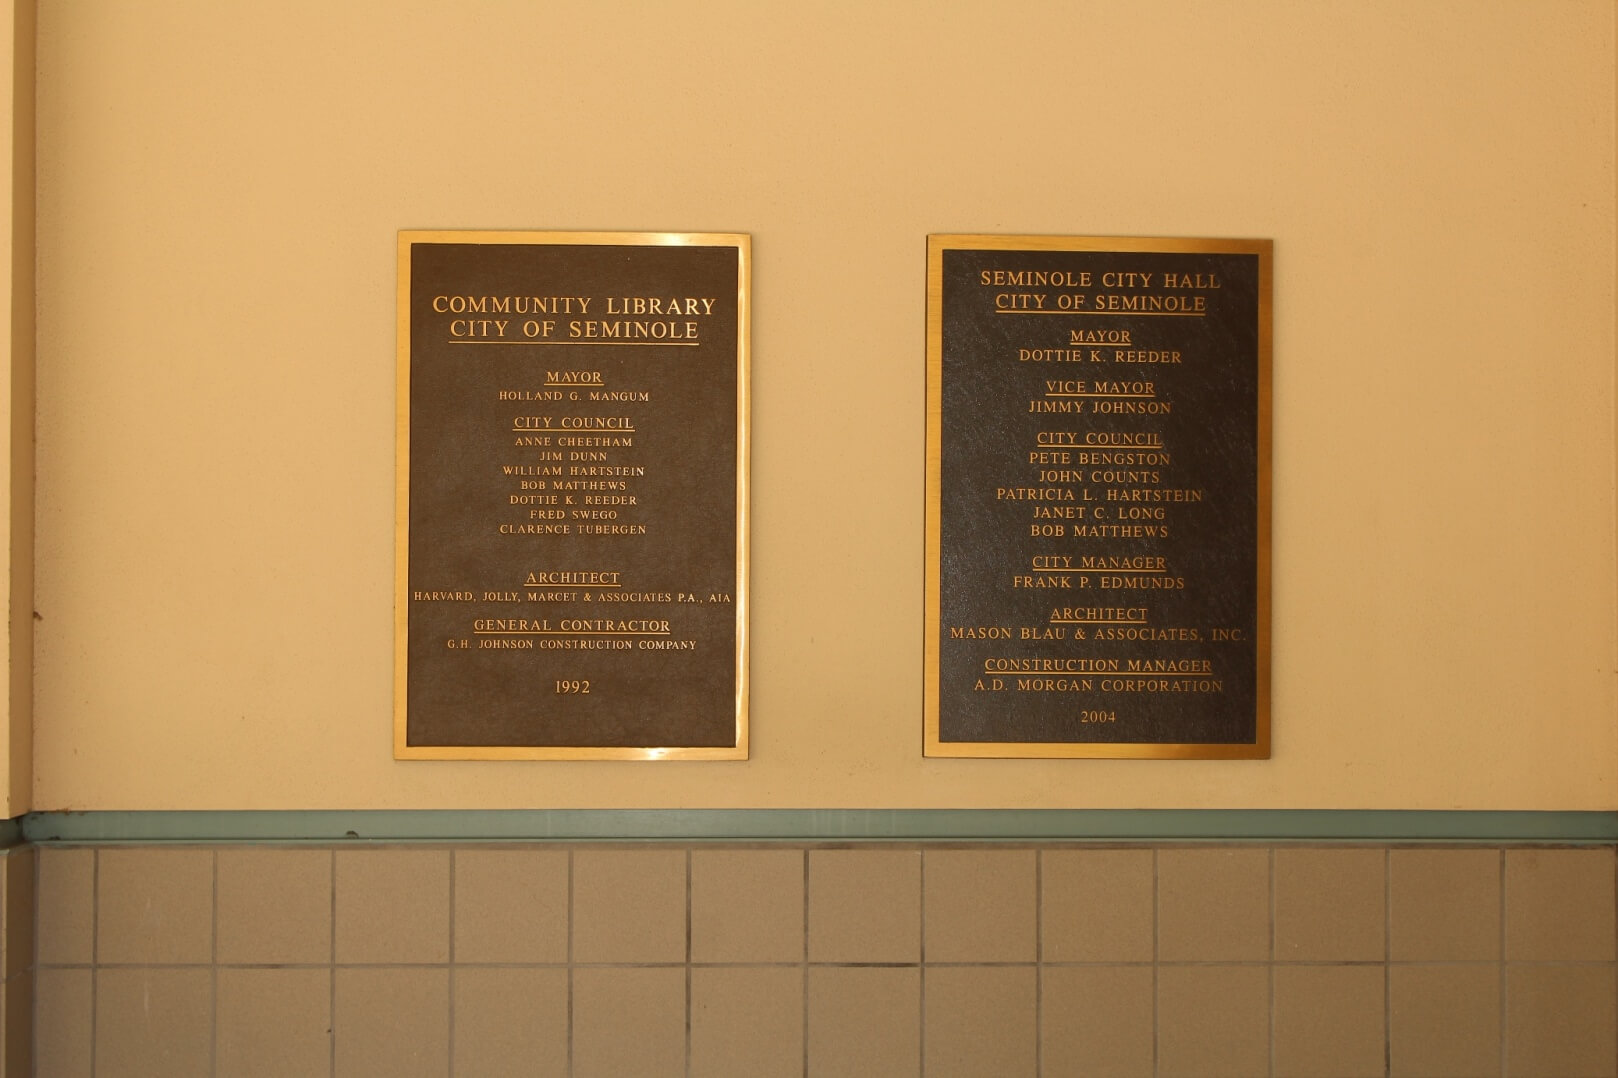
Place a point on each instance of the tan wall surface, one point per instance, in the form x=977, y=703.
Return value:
x=219, y=188
x=17, y=39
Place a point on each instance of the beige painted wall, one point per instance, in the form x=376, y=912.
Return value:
x=17, y=399
x=219, y=188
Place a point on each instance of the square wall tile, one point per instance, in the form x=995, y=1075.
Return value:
x=979, y=905
x=864, y=906
x=392, y=905
x=864, y=1022
x=510, y=905
x=1559, y=905
x=510, y=1022
x=1213, y=905
x=1561, y=1021
x=1444, y=905
x=1097, y=905
x=980, y=1021
x=154, y=906
x=628, y=1023
x=17, y=1049
x=1444, y=1020
x=747, y=905
x=275, y=906
x=18, y=918
x=273, y=1022
x=747, y=1023
x=65, y=917
x=1096, y=1021
x=1330, y=905
x=1330, y=1022
x=62, y=1023
x=391, y=1023
x=1213, y=1021
x=152, y=1022
x=629, y=905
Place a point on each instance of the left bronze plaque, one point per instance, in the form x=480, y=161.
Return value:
x=572, y=503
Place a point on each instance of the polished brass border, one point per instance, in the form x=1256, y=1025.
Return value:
x=937, y=244
x=744, y=270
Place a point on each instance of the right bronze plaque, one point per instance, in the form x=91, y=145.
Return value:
x=1098, y=518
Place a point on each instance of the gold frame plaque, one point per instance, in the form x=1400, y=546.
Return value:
x=1098, y=497
x=571, y=579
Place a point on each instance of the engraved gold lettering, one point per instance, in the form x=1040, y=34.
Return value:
x=1034, y=278
x=631, y=330
x=511, y=304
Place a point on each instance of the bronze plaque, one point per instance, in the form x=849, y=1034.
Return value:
x=1097, y=497
x=572, y=507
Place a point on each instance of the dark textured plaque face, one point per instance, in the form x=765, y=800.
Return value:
x=572, y=549
x=1097, y=497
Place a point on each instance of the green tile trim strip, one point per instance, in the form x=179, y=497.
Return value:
x=11, y=833
x=824, y=825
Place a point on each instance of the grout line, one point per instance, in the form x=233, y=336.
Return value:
x=450, y=1062
x=332, y=970
x=688, y=962
x=34, y=966
x=1156, y=929
x=1502, y=966
x=805, y=855
x=570, y=961
x=95, y=949
x=1039, y=959
x=1270, y=1011
x=921, y=964
x=1100, y=963
x=1212, y=963
x=213, y=974
x=1387, y=960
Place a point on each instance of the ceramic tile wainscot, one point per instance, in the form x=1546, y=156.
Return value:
x=997, y=959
